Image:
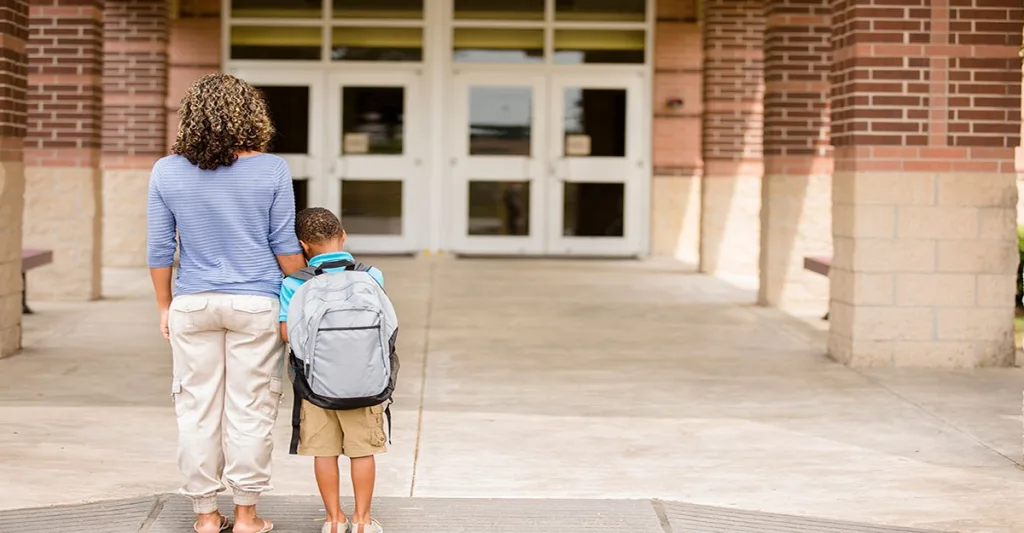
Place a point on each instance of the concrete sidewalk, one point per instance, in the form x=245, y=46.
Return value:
x=304, y=514
x=553, y=380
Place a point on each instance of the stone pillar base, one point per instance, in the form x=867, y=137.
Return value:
x=63, y=214
x=675, y=218
x=12, y=194
x=125, y=195
x=730, y=225
x=796, y=221
x=924, y=269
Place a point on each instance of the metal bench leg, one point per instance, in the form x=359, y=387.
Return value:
x=24, y=296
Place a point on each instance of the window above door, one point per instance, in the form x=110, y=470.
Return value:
x=554, y=32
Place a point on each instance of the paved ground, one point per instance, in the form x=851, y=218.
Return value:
x=303, y=514
x=554, y=380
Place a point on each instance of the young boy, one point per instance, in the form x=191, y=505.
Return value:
x=358, y=434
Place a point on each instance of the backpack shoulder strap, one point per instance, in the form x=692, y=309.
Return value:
x=304, y=275
x=360, y=267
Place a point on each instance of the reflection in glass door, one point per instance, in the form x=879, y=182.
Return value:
x=293, y=100
x=597, y=166
x=498, y=149
x=376, y=158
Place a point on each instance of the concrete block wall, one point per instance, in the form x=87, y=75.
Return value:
x=13, y=120
x=925, y=112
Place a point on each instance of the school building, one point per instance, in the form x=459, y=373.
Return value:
x=738, y=135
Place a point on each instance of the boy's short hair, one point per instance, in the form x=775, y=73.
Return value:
x=315, y=225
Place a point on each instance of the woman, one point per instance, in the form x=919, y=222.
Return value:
x=232, y=208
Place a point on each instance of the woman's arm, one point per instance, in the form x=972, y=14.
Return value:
x=291, y=263
x=161, y=244
x=282, y=237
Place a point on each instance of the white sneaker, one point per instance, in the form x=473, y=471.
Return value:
x=372, y=527
x=342, y=527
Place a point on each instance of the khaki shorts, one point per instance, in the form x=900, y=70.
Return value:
x=353, y=433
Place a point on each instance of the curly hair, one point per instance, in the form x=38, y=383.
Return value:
x=220, y=116
x=316, y=225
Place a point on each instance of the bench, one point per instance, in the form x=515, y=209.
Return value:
x=818, y=265
x=31, y=259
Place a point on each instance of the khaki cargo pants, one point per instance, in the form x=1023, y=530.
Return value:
x=228, y=361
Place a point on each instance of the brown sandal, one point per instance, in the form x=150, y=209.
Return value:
x=225, y=524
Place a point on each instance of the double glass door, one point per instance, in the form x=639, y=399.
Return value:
x=547, y=163
x=352, y=142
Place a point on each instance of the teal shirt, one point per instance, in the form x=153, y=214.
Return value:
x=290, y=285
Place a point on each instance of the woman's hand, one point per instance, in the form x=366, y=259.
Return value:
x=162, y=287
x=163, y=323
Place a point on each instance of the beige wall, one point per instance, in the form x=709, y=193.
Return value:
x=12, y=191
x=924, y=269
x=63, y=214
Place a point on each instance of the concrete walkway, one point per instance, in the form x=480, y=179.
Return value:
x=552, y=380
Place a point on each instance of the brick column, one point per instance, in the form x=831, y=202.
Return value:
x=135, y=39
x=13, y=81
x=62, y=153
x=925, y=117
x=678, y=74
x=733, y=117
x=796, y=199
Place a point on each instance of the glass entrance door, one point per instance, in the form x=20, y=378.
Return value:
x=375, y=149
x=499, y=147
x=548, y=164
x=294, y=99
x=598, y=165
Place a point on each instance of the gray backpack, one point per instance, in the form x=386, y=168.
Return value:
x=342, y=328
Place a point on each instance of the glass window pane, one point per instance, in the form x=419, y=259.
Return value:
x=301, y=189
x=593, y=209
x=601, y=10
x=377, y=44
x=371, y=207
x=500, y=120
x=485, y=45
x=373, y=120
x=598, y=115
x=499, y=9
x=499, y=208
x=576, y=47
x=289, y=111
x=378, y=9
x=277, y=9
x=275, y=42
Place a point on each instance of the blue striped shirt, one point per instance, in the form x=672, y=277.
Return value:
x=230, y=223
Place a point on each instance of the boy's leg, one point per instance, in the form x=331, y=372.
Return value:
x=365, y=435
x=320, y=437
x=364, y=473
x=328, y=480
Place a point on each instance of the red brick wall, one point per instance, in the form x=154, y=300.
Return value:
x=797, y=63
x=134, y=82
x=733, y=86
x=926, y=85
x=64, y=93
x=678, y=58
x=13, y=78
x=194, y=51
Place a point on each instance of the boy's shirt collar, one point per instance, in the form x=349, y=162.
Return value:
x=330, y=257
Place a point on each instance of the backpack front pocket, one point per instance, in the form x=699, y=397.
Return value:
x=348, y=356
